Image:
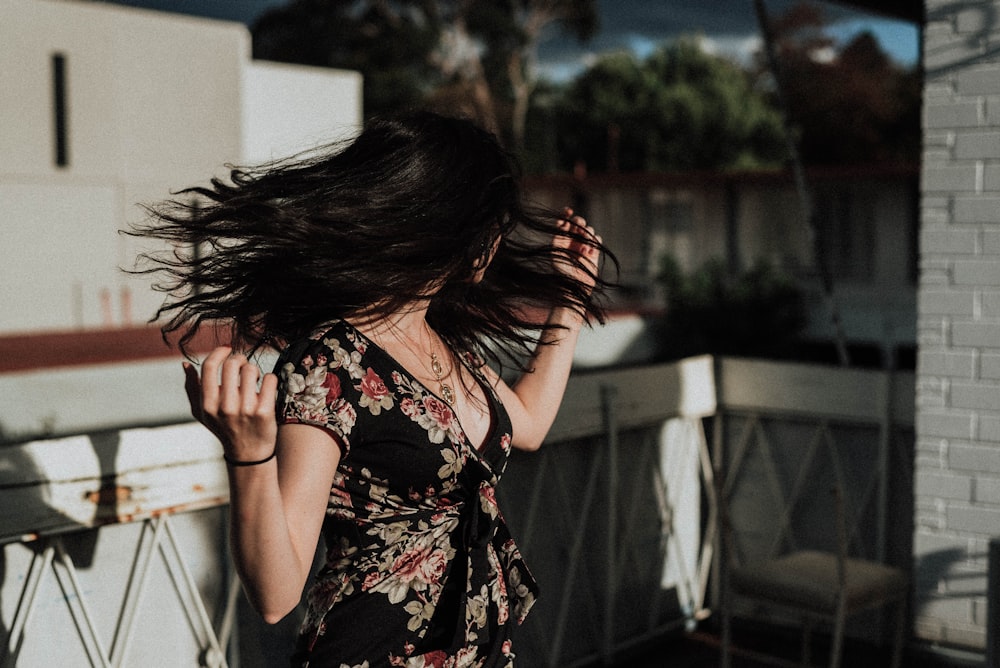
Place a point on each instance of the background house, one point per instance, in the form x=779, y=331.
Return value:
x=745, y=218
x=105, y=107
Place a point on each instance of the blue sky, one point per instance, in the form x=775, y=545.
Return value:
x=728, y=26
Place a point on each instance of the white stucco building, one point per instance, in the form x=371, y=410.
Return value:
x=105, y=106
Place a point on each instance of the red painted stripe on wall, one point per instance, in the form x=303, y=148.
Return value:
x=24, y=352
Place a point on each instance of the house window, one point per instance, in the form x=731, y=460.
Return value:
x=670, y=223
x=845, y=218
x=60, y=110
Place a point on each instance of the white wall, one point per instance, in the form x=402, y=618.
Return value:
x=156, y=102
x=957, y=475
x=288, y=108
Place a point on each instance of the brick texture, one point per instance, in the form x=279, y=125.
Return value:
x=978, y=209
x=957, y=467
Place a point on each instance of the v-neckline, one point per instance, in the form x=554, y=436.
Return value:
x=492, y=401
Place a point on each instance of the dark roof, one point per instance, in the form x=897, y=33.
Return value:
x=908, y=10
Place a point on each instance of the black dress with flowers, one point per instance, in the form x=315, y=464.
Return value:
x=420, y=568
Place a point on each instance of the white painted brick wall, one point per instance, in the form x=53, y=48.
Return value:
x=957, y=477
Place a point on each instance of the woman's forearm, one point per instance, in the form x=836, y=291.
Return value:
x=262, y=549
x=540, y=391
x=279, y=478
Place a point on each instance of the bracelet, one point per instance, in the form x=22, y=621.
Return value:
x=237, y=462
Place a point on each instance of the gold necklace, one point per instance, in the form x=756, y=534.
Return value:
x=445, y=390
x=447, y=393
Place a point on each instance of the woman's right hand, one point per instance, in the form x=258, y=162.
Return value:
x=231, y=406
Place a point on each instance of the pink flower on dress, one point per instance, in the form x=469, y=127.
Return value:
x=418, y=565
x=433, y=567
x=374, y=394
x=488, y=500
x=505, y=442
x=435, y=659
x=332, y=385
x=409, y=407
x=371, y=580
x=373, y=387
x=440, y=412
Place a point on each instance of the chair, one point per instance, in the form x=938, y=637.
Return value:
x=818, y=586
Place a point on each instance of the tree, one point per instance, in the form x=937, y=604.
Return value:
x=681, y=108
x=476, y=56
x=511, y=30
x=389, y=47
x=848, y=106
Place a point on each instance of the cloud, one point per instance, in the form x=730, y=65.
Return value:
x=727, y=27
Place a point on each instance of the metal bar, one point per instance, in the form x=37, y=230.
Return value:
x=663, y=510
x=40, y=562
x=708, y=541
x=608, y=393
x=87, y=631
x=534, y=504
x=884, y=443
x=229, y=616
x=802, y=186
x=784, y=527
x=738, y=452
x=130, y=606
x=574, y=556
x=213, y=657
x=773, y=479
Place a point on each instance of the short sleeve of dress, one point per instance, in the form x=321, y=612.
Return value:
x=311, y=390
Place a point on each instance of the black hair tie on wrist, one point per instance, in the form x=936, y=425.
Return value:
x=237, y=462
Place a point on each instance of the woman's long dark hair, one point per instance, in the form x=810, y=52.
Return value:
x=407, y=209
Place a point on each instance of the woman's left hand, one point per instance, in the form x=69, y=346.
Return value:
x=581, y=248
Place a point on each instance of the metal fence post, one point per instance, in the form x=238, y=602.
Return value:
x=608, y=393
x=993, y=606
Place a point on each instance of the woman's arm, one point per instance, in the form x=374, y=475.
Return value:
x=533, y=401
x=276, y=507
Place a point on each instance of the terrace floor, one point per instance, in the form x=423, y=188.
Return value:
x=756, y=648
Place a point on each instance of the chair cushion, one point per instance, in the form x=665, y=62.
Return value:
x=808, y=579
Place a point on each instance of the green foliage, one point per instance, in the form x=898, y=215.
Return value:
x=760, y=313
x=679, y=109
x=856, y=107
x=473, y=57
x=390, y=49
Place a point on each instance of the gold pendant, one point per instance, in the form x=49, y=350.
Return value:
x=447, y=394
x=436, y=366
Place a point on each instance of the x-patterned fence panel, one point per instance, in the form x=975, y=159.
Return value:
x=611, y=514
x=785, y=435
x=113, y=544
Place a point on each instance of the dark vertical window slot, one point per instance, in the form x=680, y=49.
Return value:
x=60, y=110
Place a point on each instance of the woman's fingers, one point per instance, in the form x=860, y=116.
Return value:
x=249, y=373
x=226, y=399
x=230, y=398
x=209, y=379
x=577, y=238
x=268, y=395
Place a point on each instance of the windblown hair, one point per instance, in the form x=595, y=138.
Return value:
x=405, y=212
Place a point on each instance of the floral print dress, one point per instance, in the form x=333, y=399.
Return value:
x=420, y=568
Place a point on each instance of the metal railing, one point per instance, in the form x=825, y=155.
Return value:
x=115, y=542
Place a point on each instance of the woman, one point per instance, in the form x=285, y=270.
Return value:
x=386, y=271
